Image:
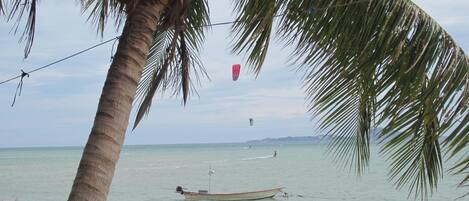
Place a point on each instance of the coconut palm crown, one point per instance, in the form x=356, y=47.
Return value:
x=366, y=63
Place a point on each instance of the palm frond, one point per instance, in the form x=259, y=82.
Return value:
x=418, y=70
x=253, y=29
x=173, y=61
x=461, y=167
x=412, y=141
x=18, y=10
x=2, y=10
x=379, y=60
x=101, y=10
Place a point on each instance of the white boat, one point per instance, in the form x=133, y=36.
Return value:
x=204, y=195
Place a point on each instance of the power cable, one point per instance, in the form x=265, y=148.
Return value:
x=63, y=59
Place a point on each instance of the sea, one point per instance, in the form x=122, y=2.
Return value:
x=152, y=172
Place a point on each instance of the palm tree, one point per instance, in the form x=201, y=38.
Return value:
x=366, y=63
x=147, y=24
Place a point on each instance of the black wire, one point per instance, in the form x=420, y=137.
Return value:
x=63, y=59
x=112, y=50
x=220, y=23
x=234, y=22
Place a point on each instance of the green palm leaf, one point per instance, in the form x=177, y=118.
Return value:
x=253, y=29
x=16, y=12
x=101, y=10
x=376, y=63
x=461, y=168
x=173, y=61
x=2, y=10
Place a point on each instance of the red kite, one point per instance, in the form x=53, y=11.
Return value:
x=236, y=68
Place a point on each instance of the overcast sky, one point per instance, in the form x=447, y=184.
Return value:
x=58, y=104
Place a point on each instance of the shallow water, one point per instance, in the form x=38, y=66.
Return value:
x=151, y=173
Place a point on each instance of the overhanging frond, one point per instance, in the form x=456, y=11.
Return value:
x=383, y=60
x=253, y=29
x=416, y=72
x=461, y=168
x=173, y=62
x=101, y=10
x=17, y=12
x=2, y=10
x=343, y=99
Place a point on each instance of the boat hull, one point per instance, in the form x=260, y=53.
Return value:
x=255, y=195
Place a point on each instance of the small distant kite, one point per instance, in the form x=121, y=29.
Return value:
x=251, y=121
x=235, y=71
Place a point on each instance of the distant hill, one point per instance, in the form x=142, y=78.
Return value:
x=315, y=138
x=287, y=139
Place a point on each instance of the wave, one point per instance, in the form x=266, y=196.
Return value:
x=257, y=158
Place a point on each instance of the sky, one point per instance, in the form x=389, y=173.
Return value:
x=58, y=104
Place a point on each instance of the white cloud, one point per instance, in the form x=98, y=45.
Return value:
x=451, y=13
x=265, y=103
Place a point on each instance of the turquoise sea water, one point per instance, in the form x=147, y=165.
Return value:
x=151, y=173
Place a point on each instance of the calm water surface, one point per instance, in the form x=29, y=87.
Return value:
x=151, y=173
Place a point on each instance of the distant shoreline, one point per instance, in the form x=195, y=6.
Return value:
x=289, y=139
x=269, y=140
x=249, y=142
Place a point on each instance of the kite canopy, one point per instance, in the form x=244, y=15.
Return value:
x=236, y=69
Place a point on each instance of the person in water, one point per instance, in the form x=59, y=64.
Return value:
x=275, y=154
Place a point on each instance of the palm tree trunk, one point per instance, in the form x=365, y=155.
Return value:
x=101, y=153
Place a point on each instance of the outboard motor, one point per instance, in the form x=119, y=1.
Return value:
x=179, y=190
